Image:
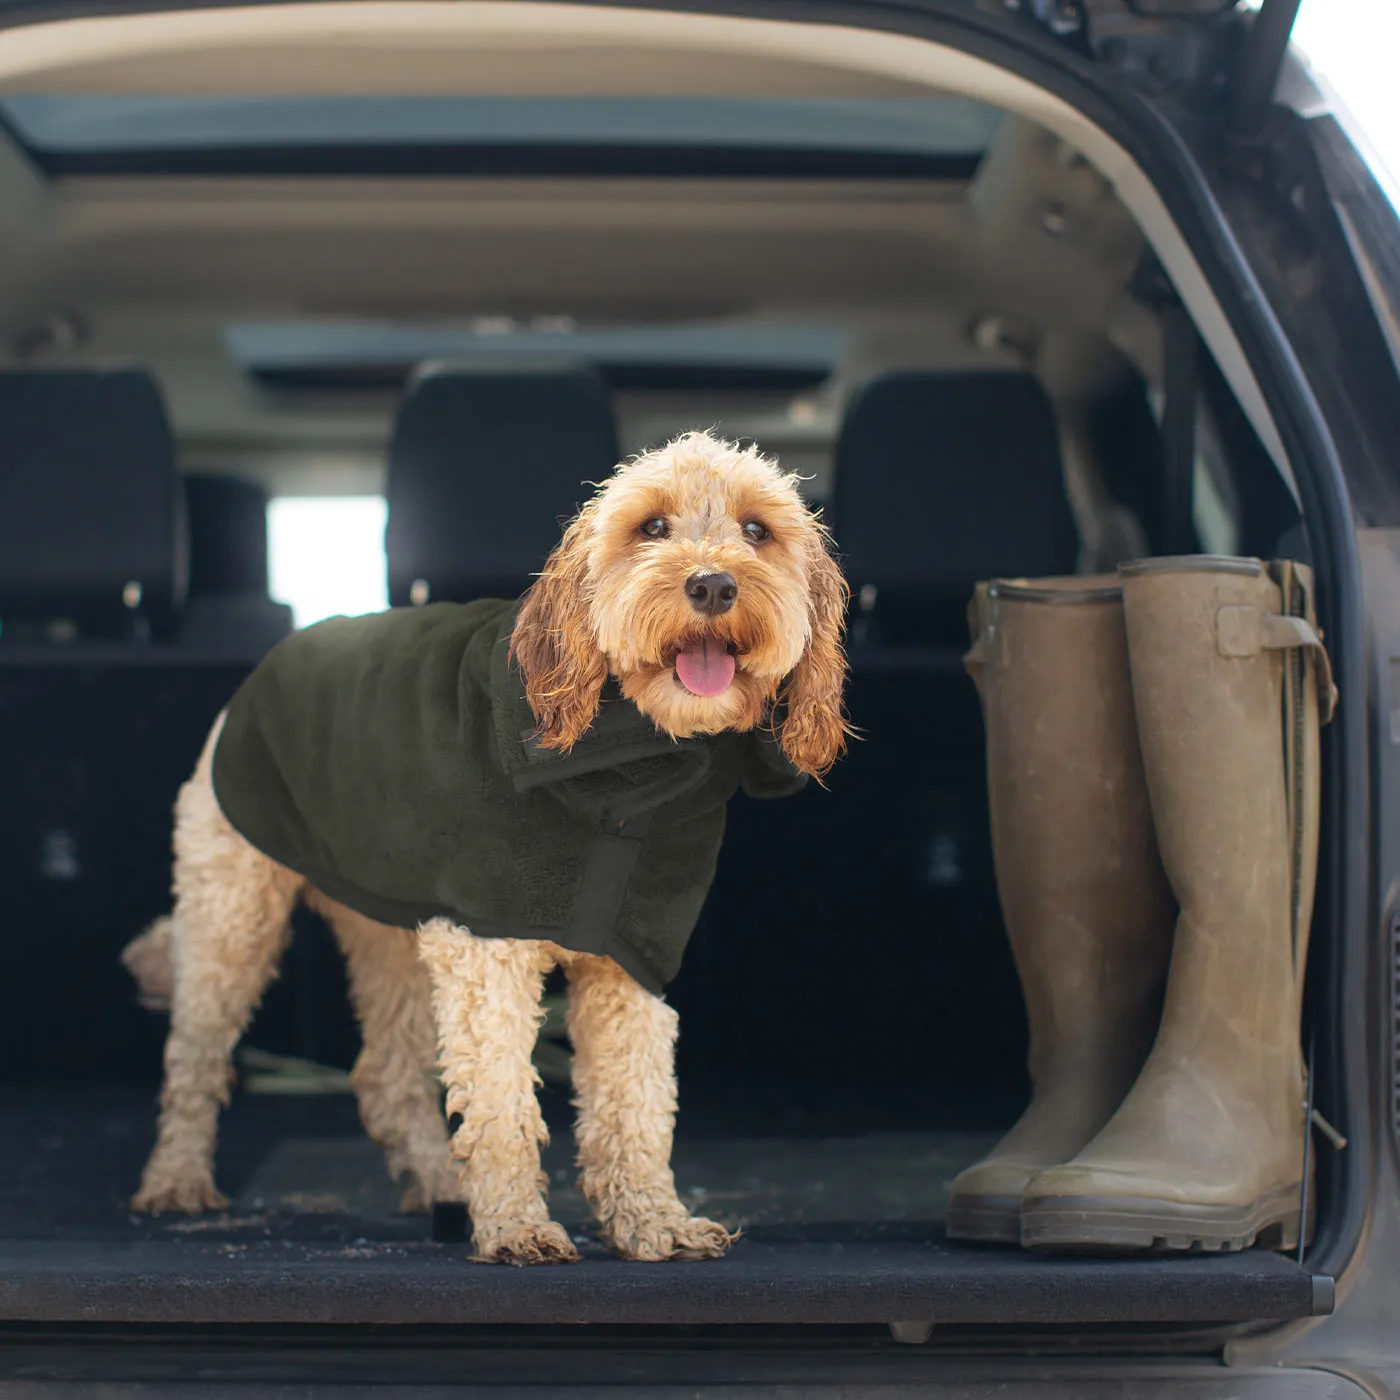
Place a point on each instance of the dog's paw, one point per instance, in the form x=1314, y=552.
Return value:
x=159, y=1196
x=652, y=1239
x=528, y=1244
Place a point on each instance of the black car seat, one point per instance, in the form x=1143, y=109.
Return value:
x=942, y=480
x=228, y=606
x=870, y=908
x=484, y=466
x=89, y=508
x=101, y=715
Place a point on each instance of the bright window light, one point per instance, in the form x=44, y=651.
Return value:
x=1352, y=44
x=326, y=555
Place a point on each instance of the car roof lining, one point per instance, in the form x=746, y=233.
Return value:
x=503, y=45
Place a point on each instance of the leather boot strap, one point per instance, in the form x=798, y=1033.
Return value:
x=1243, y=630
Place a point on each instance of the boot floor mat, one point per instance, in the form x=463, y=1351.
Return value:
x=838, y=1227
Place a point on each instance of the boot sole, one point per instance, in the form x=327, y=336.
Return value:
x=985, y=1219
x=1125, y=1224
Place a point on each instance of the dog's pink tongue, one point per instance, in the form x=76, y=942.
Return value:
x=705, y=668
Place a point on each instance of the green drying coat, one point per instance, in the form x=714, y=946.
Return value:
x=392, y=761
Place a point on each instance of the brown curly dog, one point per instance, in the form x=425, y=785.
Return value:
x=699, y=584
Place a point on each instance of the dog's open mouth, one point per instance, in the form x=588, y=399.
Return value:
x=706, y=667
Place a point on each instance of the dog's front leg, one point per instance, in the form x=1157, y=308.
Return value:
x=486, y=996
x=624, y=1073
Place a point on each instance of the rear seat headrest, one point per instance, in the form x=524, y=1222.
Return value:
x=942, y=479
x=91, y=520
x=228, y=536
x=484, y=465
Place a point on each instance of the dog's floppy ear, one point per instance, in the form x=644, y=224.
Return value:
x=814, y=725
x=553, y=644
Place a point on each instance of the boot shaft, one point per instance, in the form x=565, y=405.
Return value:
x=1083, y=894
x=1222, y=659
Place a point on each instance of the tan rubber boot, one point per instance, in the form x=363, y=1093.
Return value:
x=1082, y=890
x=1206, y=1152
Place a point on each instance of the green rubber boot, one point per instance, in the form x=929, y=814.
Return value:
x=1085, y=902
x=1207, y=1151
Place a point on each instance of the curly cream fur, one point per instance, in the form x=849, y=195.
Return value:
x=624, y=1043
x=608, y=601
x=612, y=600
x=487, y=994
x=393, y=1076
x=148, y=959
x=230, y=925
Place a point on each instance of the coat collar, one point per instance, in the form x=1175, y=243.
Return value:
x=619, y=734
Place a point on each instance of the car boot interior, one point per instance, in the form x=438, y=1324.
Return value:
x=914, y=285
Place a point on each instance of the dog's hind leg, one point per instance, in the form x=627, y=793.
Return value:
x=229, y=927
x=486, y=993
x=400, y=1104
x=624, y=1049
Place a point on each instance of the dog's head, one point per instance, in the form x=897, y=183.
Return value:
x=700, y=580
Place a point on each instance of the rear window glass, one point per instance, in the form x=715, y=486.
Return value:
x=82, y=123
x=326, y=555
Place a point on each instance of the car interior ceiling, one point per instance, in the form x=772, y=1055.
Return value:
x=966, y=371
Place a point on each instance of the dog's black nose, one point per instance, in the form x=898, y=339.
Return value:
x=711, y=593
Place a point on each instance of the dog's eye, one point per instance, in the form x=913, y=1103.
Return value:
x=656, y=528
x=755, y=532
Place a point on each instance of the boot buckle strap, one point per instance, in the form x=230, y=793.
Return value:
x=1241, y=630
